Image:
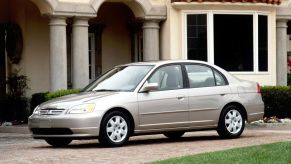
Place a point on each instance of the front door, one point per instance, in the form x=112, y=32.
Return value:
x=168, y=106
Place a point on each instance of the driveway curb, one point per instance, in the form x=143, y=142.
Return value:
x=23, y=129
x=267, y=125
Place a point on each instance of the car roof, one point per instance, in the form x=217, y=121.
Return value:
x=163, y=62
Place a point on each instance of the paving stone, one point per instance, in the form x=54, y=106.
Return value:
x=21, y=148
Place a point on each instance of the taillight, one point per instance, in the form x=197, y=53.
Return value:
x=259, y=88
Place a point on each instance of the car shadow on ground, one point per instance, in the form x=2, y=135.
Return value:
x=140, y=142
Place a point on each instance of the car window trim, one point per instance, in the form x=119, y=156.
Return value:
x=223, y=77
x=164, y=65
x=212, y=69
x=213, y=74
x=186, y=82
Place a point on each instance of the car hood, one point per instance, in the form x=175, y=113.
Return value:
x=69, y=101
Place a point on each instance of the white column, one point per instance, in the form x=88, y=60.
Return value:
x=58, y=53
x=281, y=52
x=80, y=58
x=151, y=44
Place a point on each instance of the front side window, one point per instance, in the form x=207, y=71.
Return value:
x=168, y=77
x=200, y=76
x=123, y=78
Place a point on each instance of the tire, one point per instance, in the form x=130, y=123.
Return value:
x=115, y=129
x=174, y=135
x=58, y=142
x=231, y=123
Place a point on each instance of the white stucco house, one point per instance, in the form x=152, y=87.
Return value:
x=67, y=43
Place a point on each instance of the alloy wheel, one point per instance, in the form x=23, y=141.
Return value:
x=117, y=129
x=233, y=121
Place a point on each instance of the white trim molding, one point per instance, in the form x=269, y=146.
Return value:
x=210, y=36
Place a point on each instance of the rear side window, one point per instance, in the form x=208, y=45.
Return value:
x=200, y=76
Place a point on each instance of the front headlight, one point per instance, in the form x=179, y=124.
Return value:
x=80, y=109
x=36, y=110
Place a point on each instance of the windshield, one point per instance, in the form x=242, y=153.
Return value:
x=123, y=78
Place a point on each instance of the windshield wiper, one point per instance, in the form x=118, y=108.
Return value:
x=106, y=90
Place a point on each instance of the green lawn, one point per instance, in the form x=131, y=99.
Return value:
x=265, y=154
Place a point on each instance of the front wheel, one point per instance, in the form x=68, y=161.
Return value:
x=231, y=123
x=115, y=129
x=58, y=142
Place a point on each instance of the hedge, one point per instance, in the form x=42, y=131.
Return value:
x=60, y=93
x=39, y=98
x=289, y=79
x=277, y=101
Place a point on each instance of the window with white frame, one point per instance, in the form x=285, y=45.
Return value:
x=197, y=36
x=237, y=42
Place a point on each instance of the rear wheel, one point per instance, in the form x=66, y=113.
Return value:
x=115, y=129
x=58, y=142
x=174, y=135
x=231, y=123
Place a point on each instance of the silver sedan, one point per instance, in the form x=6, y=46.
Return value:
x=169, y=97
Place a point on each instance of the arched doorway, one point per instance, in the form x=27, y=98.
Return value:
x=115, y=37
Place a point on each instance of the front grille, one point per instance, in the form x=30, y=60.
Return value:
x=51, y=111
x=51, y=131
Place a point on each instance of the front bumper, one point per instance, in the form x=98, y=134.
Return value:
x=75, y=126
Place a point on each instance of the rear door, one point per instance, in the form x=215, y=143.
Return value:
x=208, y=91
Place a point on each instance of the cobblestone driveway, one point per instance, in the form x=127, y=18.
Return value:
x=20, y=148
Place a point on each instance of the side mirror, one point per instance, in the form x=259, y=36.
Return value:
x=149, y=87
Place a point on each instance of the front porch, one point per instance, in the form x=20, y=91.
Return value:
x=98, y=38
x=66, y=45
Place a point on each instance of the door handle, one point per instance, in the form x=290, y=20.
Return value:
x=181, y=98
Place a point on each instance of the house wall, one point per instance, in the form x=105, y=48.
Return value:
x=37, y=49
x=35, y=56
x=172, y=37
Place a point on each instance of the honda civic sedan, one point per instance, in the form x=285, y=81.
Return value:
x=168, y=97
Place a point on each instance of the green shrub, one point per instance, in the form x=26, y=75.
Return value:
x=39, y=98
x=14, y=105
x=277, y=101
x=17, y=85
x=289, y=79
x=60, y=93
